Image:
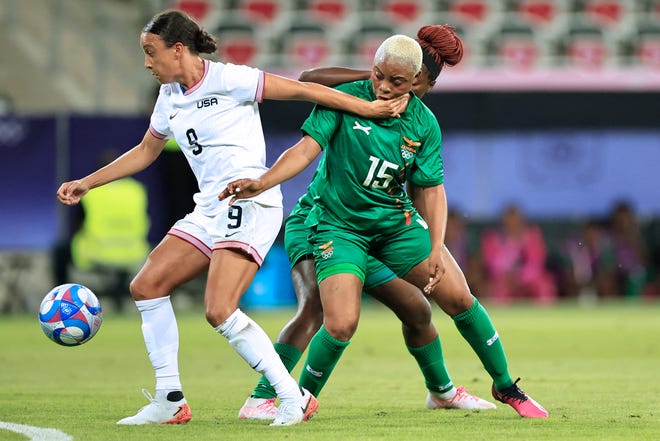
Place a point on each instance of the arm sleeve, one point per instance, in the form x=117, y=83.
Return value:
x=158, y=124
x=243, y=83
x=321, y=125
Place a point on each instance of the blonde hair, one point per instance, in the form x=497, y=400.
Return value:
x=401, y=48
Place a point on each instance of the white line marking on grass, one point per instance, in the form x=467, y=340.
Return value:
x=36, y=433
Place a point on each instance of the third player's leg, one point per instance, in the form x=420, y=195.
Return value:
x=309, y=315
x=423, y=343
x=452, y=293
x=411, y=307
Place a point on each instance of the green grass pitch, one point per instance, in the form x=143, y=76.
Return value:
x=596, y=370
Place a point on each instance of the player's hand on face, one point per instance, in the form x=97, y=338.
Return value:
x=70, y=192
x=400, y=104
x=390, y=108
x=437, y=270
x=241, y=189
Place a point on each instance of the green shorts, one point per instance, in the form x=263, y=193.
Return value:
x=338, y=250
x=298, y=246
x=296, y=237
x=377, y=274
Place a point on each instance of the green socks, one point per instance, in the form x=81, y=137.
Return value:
x=475, y=327
x=290, y=356
x=432, y=364
x=322, y=357
x=325, y=351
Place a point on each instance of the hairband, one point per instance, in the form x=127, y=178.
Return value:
x=433, y=67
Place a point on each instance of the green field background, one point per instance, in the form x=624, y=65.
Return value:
x=596, y=370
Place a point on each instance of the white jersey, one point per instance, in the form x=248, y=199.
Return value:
x=217, y=126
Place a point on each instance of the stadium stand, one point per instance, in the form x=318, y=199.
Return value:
x=526, y=35
x=238, y=43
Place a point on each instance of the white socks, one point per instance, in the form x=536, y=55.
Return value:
x=447, y=395
x=252, y=343
x=161, y=336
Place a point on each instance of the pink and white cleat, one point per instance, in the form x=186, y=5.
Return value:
x=462, y=400
x=258, y=409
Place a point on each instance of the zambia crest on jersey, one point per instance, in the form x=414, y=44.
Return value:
x=327, y=250
x=409, y=149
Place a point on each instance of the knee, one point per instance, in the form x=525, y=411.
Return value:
x=420, y=320
x=145, y=287
x=452, y=302
x=310, y=313
x=341, y=330
x=414, y=313
x=140, y=289
x=217, y=314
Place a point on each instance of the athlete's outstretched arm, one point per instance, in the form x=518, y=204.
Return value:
x=294, y=160
x=281, y=88
x=333, y=76
x=136, y=159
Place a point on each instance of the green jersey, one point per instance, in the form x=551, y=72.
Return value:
x=361, y=180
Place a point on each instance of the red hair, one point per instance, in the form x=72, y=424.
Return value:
x=441, y=46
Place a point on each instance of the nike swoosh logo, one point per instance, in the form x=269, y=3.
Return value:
x=231, y=234
x=304, y=409
x=173, y=115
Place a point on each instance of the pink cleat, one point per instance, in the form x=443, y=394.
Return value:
x=520, y=401
x=258, y=409
x=462, y=400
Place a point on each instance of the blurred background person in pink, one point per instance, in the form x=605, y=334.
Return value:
x=514, y=257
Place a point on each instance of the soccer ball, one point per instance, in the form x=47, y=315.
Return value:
x=70, y=314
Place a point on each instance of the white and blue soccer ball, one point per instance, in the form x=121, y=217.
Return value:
x=70, y=314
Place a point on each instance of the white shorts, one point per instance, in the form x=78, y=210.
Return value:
x=246, y=225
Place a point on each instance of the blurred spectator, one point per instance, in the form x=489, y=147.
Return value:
x=514, y=257
x=630, y=251
x=111, y=240
x=457, y=239
x=6, y=104
x=464, y=248
x=652, y=238
x=588, y=269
